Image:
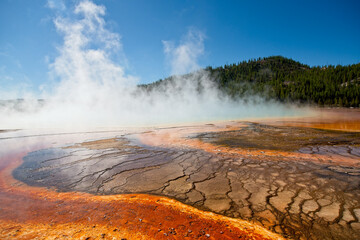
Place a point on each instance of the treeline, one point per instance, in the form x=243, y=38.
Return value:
x=286, y=80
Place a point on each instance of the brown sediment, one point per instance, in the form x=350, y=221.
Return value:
x=301, y=201
x=300, y=190
x=179, y=137
x=332, y=119
x=7, y=130
x=100, y=144
x=32, y=212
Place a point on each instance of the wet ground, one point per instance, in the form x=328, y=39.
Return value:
x=300, y=182
x=29, y=212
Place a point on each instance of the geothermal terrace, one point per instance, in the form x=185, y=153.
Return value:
x=263, y=179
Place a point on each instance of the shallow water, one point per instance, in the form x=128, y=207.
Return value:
x=296, y=181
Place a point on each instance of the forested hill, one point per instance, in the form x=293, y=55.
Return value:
x=286, y=80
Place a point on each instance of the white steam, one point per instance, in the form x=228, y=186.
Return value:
x=183, y=58
x=92, y=90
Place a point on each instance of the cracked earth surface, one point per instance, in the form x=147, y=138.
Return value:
x=29, y=212
x=302, y=183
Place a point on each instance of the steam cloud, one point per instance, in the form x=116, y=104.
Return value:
x=183, y=58
x=91, y=90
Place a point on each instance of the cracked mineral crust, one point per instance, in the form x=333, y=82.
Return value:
x=299, y=182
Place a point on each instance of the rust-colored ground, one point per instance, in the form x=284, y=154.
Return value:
x=332, y=119
x=33, y=212
x=178, y=137
x=36, y=213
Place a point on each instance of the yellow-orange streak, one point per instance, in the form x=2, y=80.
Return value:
x=179, y=137
x=329, y=119
x=29, y=212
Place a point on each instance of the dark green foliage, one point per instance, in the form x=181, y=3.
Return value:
x=286, y=80
x=289, y=81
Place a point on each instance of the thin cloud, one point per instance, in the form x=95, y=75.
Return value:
x=56, y=5
x=184, y=57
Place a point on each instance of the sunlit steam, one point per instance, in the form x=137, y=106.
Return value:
x=92, y=90
x=183, y=58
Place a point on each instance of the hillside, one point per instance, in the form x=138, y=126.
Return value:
x=285, y=80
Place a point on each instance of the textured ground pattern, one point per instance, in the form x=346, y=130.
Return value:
x=294, y=186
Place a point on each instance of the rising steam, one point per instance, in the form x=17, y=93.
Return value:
x=93, y=90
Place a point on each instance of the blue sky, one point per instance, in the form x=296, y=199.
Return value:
x=314, y=33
